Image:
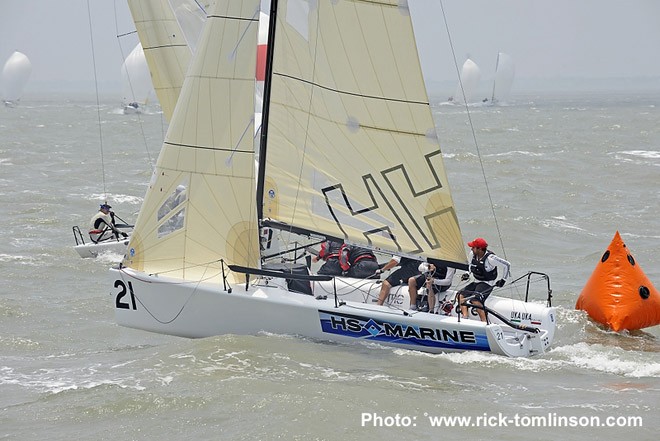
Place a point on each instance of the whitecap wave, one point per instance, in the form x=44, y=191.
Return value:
x=612, y=360
x=647, y=154
x=559, y=223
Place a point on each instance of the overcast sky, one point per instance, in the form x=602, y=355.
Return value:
x=551, y=41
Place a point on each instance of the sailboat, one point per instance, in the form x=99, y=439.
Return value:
x=15, y=75
x=348, y=151
x=137, y=89
x=95, y=242
x=504, y=74
x=468, y=84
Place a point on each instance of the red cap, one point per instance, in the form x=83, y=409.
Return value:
x=479, y=243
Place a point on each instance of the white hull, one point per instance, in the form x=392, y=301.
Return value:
x=200, y=310
x=91, y=250
x=130, y=110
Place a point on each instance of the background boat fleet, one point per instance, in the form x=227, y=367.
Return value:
x=138, y=92
x=467, y=90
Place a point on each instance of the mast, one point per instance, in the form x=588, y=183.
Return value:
x=261, y=173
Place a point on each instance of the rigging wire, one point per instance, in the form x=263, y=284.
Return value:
x=130, y=84
x=474, y=136
x=98, y=105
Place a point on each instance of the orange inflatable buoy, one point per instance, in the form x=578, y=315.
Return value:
x=618, y=293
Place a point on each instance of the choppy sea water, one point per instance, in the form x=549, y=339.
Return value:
x=563, y=174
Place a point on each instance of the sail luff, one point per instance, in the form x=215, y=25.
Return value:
x=352, y=149
x=199, y=213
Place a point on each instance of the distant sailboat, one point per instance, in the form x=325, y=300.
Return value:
x=469, y=82
x=137, y=88
x=15, y=75
x=504, y=73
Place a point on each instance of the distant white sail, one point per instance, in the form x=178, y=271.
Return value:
x=15, y=75
x=137, y=88
x=470, y=77
x=504, y=74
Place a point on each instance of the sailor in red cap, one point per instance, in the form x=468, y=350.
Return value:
x=483, y=265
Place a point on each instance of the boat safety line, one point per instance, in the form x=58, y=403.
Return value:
x=504, y=319
x=162, y=322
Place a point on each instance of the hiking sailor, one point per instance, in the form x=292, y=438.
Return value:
x=359, y=262
x=102, y=225
x=437, y=278
x=330, y=251
x=407, y=269
x=483, y=266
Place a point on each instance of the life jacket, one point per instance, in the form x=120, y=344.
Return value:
x=349, y=256
x=357, y=253
x=440, y=272
x=330, y=250
x=101, y=221
x=478, y=268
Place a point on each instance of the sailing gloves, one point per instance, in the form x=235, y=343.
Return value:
x=500, y=283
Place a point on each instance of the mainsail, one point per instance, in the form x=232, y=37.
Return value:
x=352, y=149
x=165, y=49
x=200, y=210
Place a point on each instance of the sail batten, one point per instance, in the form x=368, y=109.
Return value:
x=346, y=92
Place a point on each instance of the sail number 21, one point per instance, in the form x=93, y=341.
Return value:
x=124, y=304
